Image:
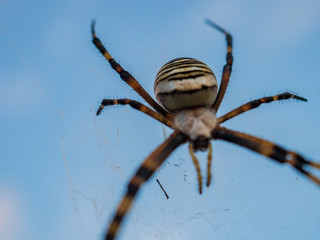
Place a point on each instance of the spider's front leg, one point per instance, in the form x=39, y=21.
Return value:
x=269, y=150
x=146, y=170
x=138, y=106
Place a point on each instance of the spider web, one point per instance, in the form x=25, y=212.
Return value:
x=186, y=214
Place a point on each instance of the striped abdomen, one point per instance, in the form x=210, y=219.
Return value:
x=185, y=83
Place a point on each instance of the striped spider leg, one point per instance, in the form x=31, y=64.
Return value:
x=125, y=75
x=256, y=103
x=227, y=68
x=188, y=96
x=269, y=150
x=138, y=106
x=258, y=145
x=145, y=171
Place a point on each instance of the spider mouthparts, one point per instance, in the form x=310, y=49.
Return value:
x=200, y=144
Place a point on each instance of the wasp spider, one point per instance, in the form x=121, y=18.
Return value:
x=189, y=97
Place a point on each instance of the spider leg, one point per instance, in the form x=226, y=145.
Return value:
x=138, y=106
x=209, y=165
x=269, y=150
x=196, y=164
x=227, y=67
x=256, y=103
x=145, y=171
x=126, y=76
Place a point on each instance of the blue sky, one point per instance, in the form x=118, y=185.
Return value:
x=64, y=170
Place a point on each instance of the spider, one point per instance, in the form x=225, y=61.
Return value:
x=189, y=98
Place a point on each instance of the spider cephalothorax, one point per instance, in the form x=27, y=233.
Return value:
x=189, y=99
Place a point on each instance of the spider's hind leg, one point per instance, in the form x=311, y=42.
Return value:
x=138, y=106
x=227, y=68
x=256, y=103
x=125, y=75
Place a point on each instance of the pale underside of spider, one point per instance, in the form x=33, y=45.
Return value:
x=189, y=99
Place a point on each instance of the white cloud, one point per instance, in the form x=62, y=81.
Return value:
x=10, y=215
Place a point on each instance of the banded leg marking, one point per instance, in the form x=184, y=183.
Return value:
x=227, y=67
x=196, y=164
x=146, y=170
x=138, y=106
x=256, y=103
x=269, y=150
x=125, y=75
